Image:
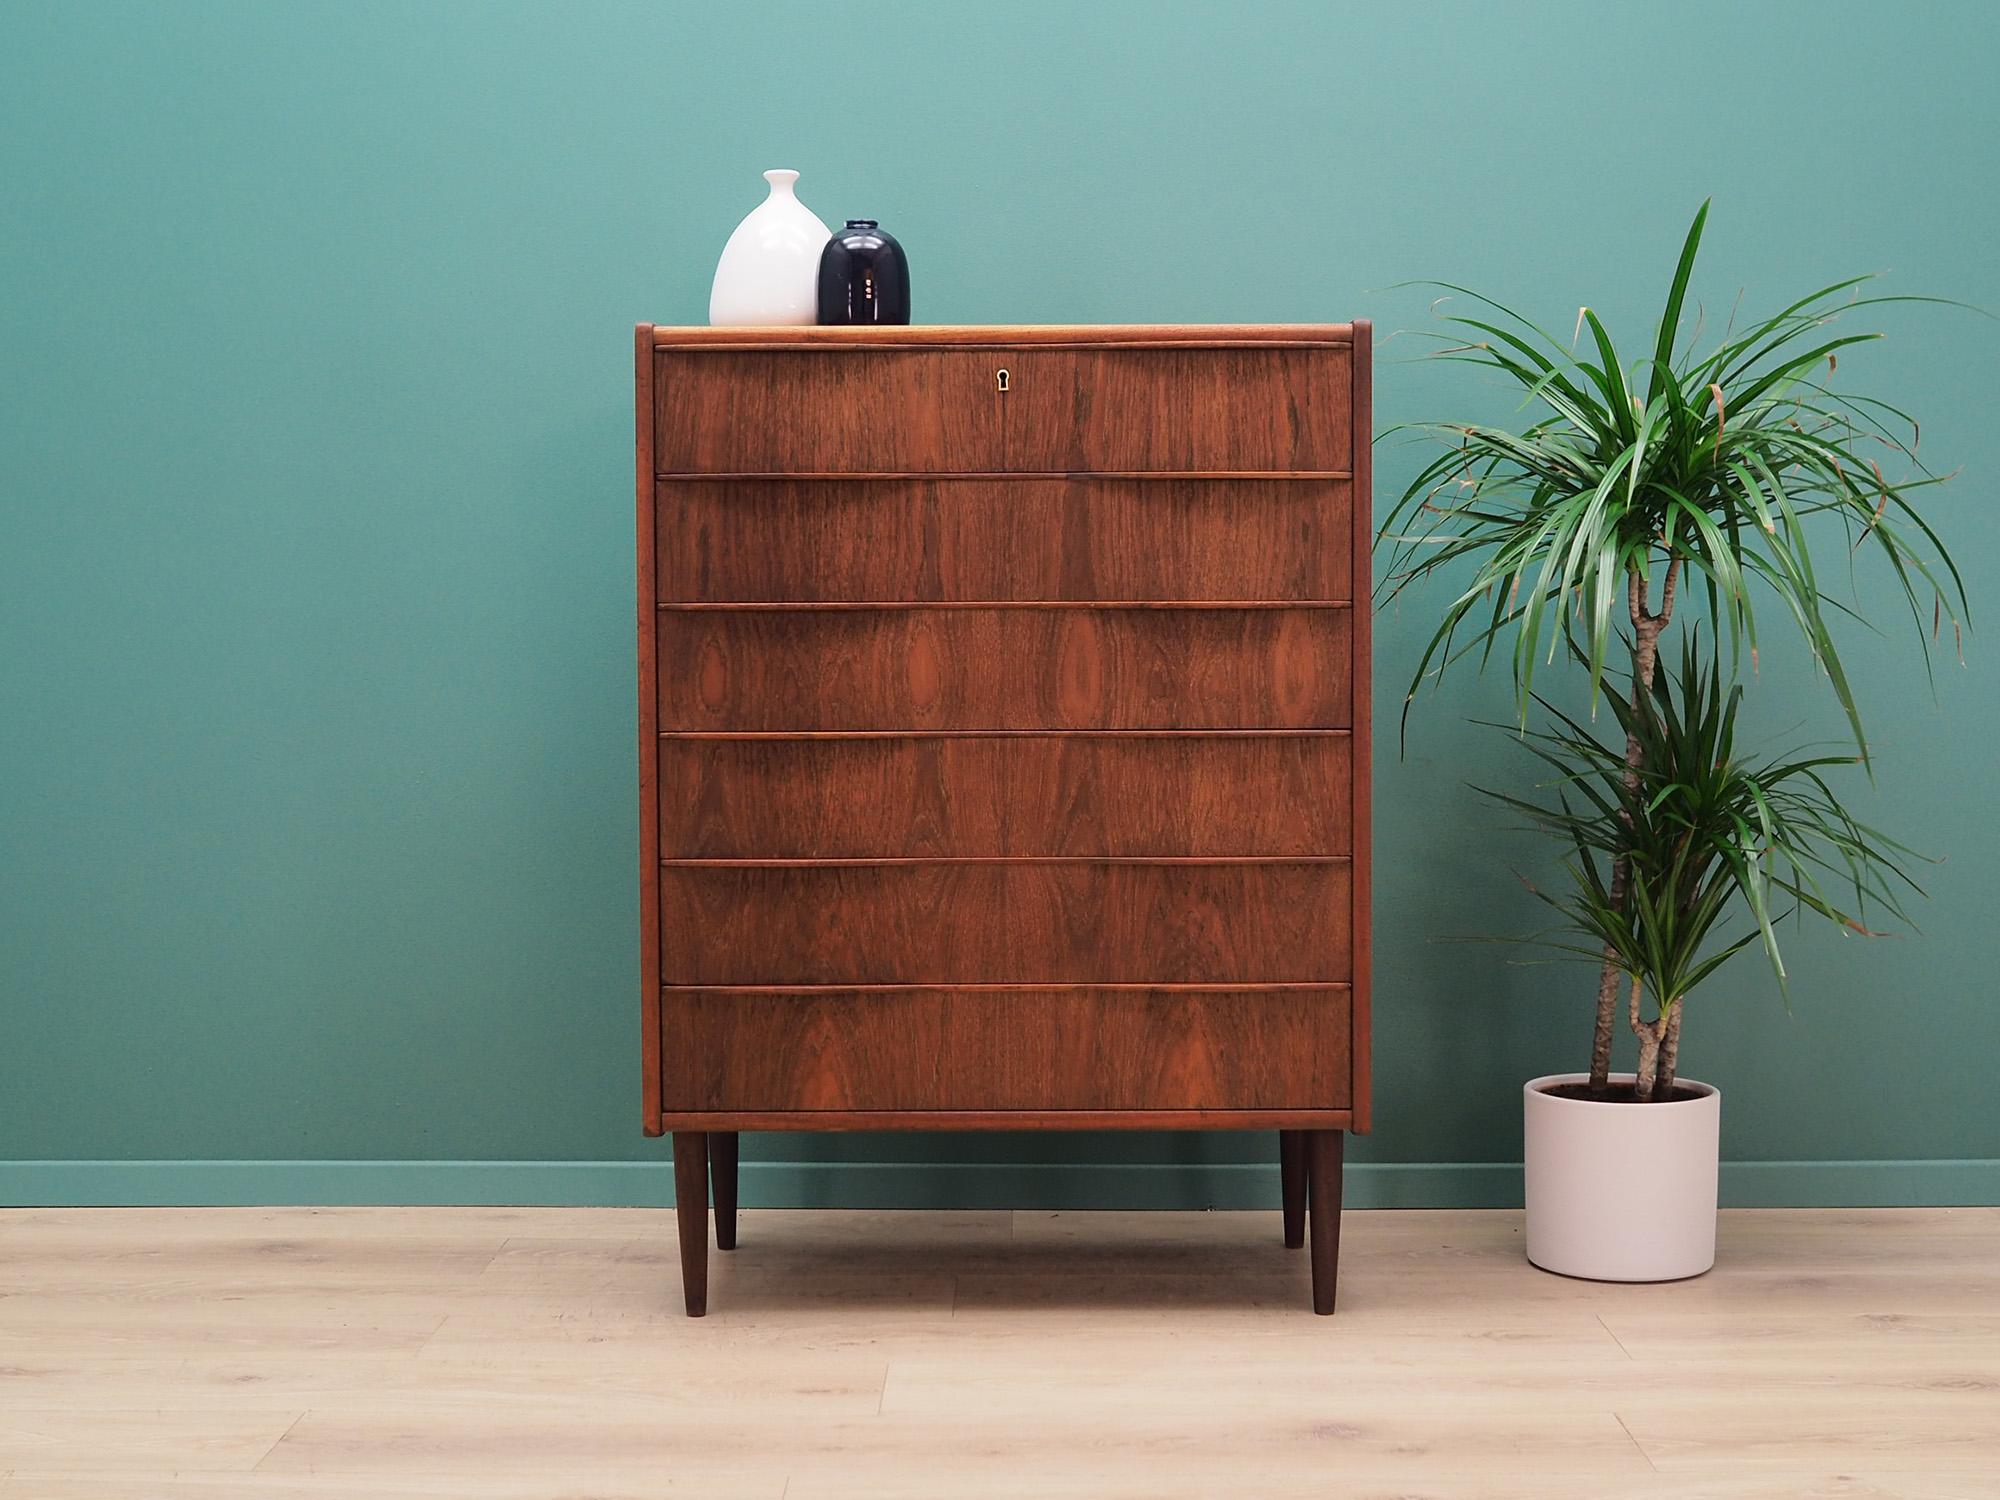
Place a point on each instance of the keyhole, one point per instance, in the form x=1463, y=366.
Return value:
x=1000, y=380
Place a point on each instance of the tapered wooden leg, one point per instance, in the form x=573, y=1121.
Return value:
x=691, y=1213
x=722, y=1177
x=1292, y=1183
x=1324, y=1150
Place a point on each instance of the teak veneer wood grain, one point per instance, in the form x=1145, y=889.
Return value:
x=1200, y=408
x=1004, y=736
x=1037, y=922
x=1126, y=794
x=1083, y=667
x=1008, y=1049
x=946, y=537
x=761, y=411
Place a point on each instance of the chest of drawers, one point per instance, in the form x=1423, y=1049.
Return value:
x=1004, y=753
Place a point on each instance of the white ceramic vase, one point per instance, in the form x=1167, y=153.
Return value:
x=769, y=271
x=1621, y=1192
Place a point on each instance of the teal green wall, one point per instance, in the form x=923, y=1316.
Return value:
x=316, y=700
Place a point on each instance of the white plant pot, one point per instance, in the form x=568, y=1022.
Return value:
x=1621, y=1192
x=769, y=271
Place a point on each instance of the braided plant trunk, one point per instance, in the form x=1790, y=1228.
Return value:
x=1670, y=1049
x=1646, y=628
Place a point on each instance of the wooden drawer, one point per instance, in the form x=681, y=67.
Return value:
x=987, y=1049
x=834, y=411
x=729, y=541
x=1034, y=922
x=1147, y=795
x=1273, y=409
x=1022, y=668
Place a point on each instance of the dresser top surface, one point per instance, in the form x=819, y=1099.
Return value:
x=950, y=334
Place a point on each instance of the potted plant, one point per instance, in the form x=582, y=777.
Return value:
x=1717, y=845
x=1684, y=485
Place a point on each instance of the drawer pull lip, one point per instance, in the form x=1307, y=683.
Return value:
x=850, y=606
x=805, y=862
x=1179, y=986
x=703, y=475
x=999, y=734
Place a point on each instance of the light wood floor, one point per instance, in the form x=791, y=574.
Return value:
x=540, y=1353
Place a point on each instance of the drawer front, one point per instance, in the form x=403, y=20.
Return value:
x=1026, y=668
x=729, y=541
x=834, y=411
x=1031, y=1049
x=1005, y=923
x=1212, y=410
x=910, y=796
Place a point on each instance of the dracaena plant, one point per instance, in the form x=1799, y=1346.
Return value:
x=1703, y=478
x=1718, y=847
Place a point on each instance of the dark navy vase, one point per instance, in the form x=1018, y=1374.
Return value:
x=863, y=277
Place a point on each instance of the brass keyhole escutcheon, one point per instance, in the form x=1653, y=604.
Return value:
x=1000, y=380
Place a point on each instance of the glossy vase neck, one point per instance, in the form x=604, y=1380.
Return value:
x=781, y=180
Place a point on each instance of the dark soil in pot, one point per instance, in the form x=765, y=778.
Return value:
x=1621, y=1093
